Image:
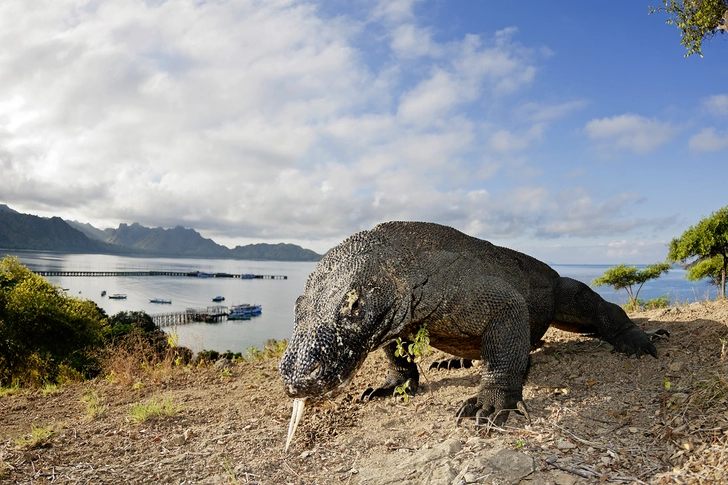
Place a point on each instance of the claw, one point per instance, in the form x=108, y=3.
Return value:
x=657, y=334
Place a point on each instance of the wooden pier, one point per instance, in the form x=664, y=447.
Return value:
x=210, y=314
x=194, y=274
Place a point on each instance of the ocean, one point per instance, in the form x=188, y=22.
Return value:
x=277, y=296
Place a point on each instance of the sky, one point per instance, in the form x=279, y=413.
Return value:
x=576, y=132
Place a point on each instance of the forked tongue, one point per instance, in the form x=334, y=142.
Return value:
x=298, y=406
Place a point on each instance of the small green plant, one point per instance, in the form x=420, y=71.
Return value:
x=225, y=373
x=402, y=391
x=50, y=389
x=111, y=377
x=94, y=404
x=520, y=444
x=662, y=301
x=155, y=408
x=137, y=385
x=172, y=339
x=418, y=347
x=39, y=436
x=666, y=383
x=229, y=470
x=11, y=390
x=275, y=348
x=253, y=353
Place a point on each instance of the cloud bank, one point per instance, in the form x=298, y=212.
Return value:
x=269, y=120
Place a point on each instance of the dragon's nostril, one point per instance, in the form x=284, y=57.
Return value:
x=315, y=372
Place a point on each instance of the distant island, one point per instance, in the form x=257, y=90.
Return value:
x=29, y=232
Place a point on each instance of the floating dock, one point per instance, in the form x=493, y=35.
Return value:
x=194, y=274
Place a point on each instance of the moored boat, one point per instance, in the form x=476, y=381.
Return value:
x=117, y=296
x=239, y=316
x=159, y=300
x=219, y=298
x=246, y=309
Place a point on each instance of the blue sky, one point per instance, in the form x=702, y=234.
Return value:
x=574, y=132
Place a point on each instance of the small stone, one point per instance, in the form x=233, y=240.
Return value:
x=565, y=445
x=470, y=477
x=178, y=439
x=633, y=430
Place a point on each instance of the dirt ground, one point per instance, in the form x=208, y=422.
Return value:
x=596, y=417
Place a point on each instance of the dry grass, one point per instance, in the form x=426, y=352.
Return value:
x=137, y=361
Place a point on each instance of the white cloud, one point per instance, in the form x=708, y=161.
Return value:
x=539, y=112
x=709, y=140
x=409, y=41
x=252, y=119
x=630, y=132
x=716, y=105
x=394, y=10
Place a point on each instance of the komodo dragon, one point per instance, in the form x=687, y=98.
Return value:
x=477, y=300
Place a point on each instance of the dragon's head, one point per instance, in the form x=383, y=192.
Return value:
x=347, y=309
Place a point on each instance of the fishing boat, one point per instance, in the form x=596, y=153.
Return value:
x=103, y=293
x=247, y=276
x=219, y=298
x=245, y=309
x=117, y=296
x=239, y=316
x=159, y=300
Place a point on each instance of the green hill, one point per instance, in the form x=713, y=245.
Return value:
x=25, y=231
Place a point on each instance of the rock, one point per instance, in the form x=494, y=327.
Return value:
x=565, y=445
x=178, y=439
x=223, y=363
x=510, y=466
x=470, y=477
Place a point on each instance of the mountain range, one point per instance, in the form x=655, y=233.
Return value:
x=26, y=231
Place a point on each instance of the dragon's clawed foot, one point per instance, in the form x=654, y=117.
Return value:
x=489, y=415
x=452, y=364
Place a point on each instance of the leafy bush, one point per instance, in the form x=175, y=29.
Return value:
x=44, y=334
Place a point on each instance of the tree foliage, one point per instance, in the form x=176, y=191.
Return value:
x=44, y=334
x=707, y=242
x=697, y=20
x=627, y=277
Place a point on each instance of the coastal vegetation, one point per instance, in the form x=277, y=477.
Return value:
x=706, y=243
x=628, y=277
x=48, y=337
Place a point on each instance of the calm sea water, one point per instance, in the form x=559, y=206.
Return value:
x=276, y=296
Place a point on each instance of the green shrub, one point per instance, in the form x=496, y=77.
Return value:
x=45, y=335
x=662, y=301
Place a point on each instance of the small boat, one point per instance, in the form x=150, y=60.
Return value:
x=247, y=276
x=159, y=300
x=117, y=296
x=239, y=316
x=204, y=275
x=245, y=309
x=219, y=298
x=103, y=293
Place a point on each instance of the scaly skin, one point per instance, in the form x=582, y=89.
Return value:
x=477, y=300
